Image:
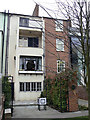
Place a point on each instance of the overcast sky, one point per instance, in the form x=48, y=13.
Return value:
x=27, y=6
x=24, y=6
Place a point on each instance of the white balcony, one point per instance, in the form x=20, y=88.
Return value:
x=31, y=24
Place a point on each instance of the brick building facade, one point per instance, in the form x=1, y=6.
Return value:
x=52, y=53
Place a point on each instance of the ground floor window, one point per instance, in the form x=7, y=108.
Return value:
x=30, y=86
x=60, y=66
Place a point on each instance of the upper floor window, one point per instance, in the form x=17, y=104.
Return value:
x=60, y=66
x=59, y=45
x=29, y=63
x=32, y=23
x=24, y=22
x=28, y=41
x=59, y=25
x=33, y=42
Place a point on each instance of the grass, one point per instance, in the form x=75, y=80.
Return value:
x=76, y=118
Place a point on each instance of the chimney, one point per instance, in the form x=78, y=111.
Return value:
x=36, y=10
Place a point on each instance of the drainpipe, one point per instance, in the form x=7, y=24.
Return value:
x=7, y=44
x=3, y=41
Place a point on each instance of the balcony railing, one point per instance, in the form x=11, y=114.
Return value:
x=26, y=22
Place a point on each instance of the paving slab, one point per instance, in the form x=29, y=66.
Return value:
x=83, y=102
x=33, y=112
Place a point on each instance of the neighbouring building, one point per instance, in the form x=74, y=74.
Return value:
x=57, y=46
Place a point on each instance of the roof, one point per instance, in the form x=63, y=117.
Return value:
x=32, y=16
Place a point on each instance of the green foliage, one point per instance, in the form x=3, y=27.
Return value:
x=83, y=108
x=56, y=89
x=6, y=89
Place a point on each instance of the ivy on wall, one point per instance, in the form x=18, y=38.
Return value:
x=56, y=89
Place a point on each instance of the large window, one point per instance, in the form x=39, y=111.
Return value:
x=59, y=45
x=29, y=63
x=59, y=25
x=60, y=66
x=28, y=41
x=30, y=86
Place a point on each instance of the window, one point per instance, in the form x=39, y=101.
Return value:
x=60, y=66
x=30, y=63
x=28, y=41
x=39, y=86
x=30, y=86
x=24, y=22
x=32, y=42
x=21, y=86
x=59, y=45
x=59, y=25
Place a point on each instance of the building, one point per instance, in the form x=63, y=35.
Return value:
x=35, y=48
x=57, y=46
x=25, y=55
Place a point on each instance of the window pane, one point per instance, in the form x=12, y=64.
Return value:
x=33, y=42
x=59, y=25
x=21, y=86
x=30, y=65
x=59, y=45
x=38, y=86
x=24, y=22
x=60, y=66
x=30, y=42
x=27, y=86
x=33, y=86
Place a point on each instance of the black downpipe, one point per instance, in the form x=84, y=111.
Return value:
x=3, y=41
x=7, y=44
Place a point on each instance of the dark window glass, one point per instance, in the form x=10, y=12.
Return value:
x=24, y=22
x=33, y=86
x=27, y=86
x=32, y=42
x=21, y=86
x=30, y=63
x=38, y=86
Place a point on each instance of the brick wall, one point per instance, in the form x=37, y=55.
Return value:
x=73, y=100
x=82, y=93
x=51, y=55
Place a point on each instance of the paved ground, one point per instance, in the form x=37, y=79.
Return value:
x=83, y=102
x=33, y=112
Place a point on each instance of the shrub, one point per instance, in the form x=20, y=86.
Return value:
x=56, y=89
x=6, y=89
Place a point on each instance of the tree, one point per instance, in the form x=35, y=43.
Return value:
x=78, y=13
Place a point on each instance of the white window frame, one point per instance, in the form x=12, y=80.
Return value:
x=62, y=69
x=59, y=45
x=36, y=89
x=59, y=25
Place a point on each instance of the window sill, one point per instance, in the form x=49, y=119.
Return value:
x=30, y=72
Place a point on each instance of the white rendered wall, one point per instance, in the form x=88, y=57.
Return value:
x=13, y=67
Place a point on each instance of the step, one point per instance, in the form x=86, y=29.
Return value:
x=24, y=103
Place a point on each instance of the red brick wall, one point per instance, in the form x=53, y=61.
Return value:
x=73, y=100
x=51, y=55
x=82, y=93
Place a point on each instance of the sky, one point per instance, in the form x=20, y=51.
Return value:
x=24, y=6
x=27, y=6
